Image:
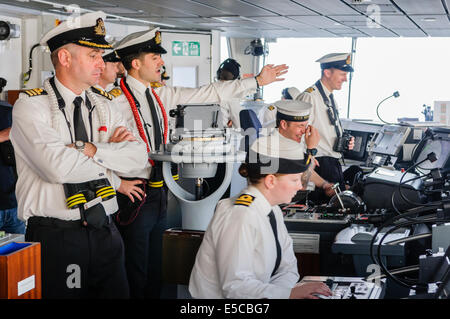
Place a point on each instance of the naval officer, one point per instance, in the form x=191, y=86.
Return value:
x=67, y=152
x=325, y=117
x=246, y=251
x=146, y=109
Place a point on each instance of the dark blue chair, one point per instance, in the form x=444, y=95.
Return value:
x=250, y=125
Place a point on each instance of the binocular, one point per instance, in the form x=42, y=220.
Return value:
x=342, y=143
x=79, y=194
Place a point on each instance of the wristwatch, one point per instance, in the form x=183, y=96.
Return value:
x=79, y=146
x=311, y=151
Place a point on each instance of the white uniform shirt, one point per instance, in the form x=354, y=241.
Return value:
x=230, y=111
x=270, y=116
x=281, y=143
x=238, y=253
x=44, y=162
x=319, y=119
x=172, y=96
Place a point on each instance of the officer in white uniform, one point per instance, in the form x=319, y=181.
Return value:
x=230, y=70
x=293, y=130
x=109, y=74
x=146, y=109
x=246, y=251
x=270, y=114
x=325, y=117
x=67, y=153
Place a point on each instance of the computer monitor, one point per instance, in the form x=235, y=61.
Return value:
x=438, y=141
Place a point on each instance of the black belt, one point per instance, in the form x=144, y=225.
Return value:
x=55, y=222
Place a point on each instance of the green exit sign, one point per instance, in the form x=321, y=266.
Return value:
x=185, y=48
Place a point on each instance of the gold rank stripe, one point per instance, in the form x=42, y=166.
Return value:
x=102, y=93
x=35, y=92
x=156, y=183
x=81, y=201
x=115, y=92
x=176, y=177
x=70, y=203
x=76, y=196
x=242, y=203
x=244, y=200
x=96, y=45
x=107, y=194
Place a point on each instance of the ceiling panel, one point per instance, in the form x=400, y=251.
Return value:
x=421, y=6
x=282, y=7
x=409, y=32
x=235, y=7
x=326, y=7
x=252, y=18
x=431, y=21
x=438, y=32
x=283, y=21
x=317, y=21
x=379, y=32
x=396, y=21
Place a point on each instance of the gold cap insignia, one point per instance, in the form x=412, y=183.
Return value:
x=349, y=60
x=158, y=37
x=99, y=28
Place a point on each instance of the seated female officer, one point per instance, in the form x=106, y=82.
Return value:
x=246, y=251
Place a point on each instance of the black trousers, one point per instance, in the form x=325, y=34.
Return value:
x=77, y=261
x=143, y=245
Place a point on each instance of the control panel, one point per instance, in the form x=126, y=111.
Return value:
x=348, y=287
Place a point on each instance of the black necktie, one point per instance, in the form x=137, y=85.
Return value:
x=156, y=127
x=273, y=223
x=334, y=106
x=78, y=123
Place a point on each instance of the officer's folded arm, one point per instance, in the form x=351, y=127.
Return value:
x=42, y=149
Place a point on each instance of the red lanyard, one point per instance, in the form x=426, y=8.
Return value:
x=137, y=119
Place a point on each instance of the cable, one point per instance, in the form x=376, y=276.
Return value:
x=431, y=157
x=27, y=75
x=416, y=285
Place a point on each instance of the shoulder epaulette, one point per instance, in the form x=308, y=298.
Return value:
x=36, y=92
x=310, y=89
x=271, y=107
x=115, y=92
x=244, y=200
x=156, y=84
x=102, y=93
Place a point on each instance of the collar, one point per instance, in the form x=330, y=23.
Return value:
x=136, y=85
x=67, y=94
x=264, y=207
x=327, y=92
x=284, y=141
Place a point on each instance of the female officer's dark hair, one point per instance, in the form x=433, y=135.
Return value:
x=228, y=70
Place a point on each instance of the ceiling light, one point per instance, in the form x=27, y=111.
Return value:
x=429, y=19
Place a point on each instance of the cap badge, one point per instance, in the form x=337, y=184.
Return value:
x=349, y=60
x=158, y=37
x=99, y=28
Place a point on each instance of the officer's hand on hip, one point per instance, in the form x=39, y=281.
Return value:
x=271, y=73
x=131, y=188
